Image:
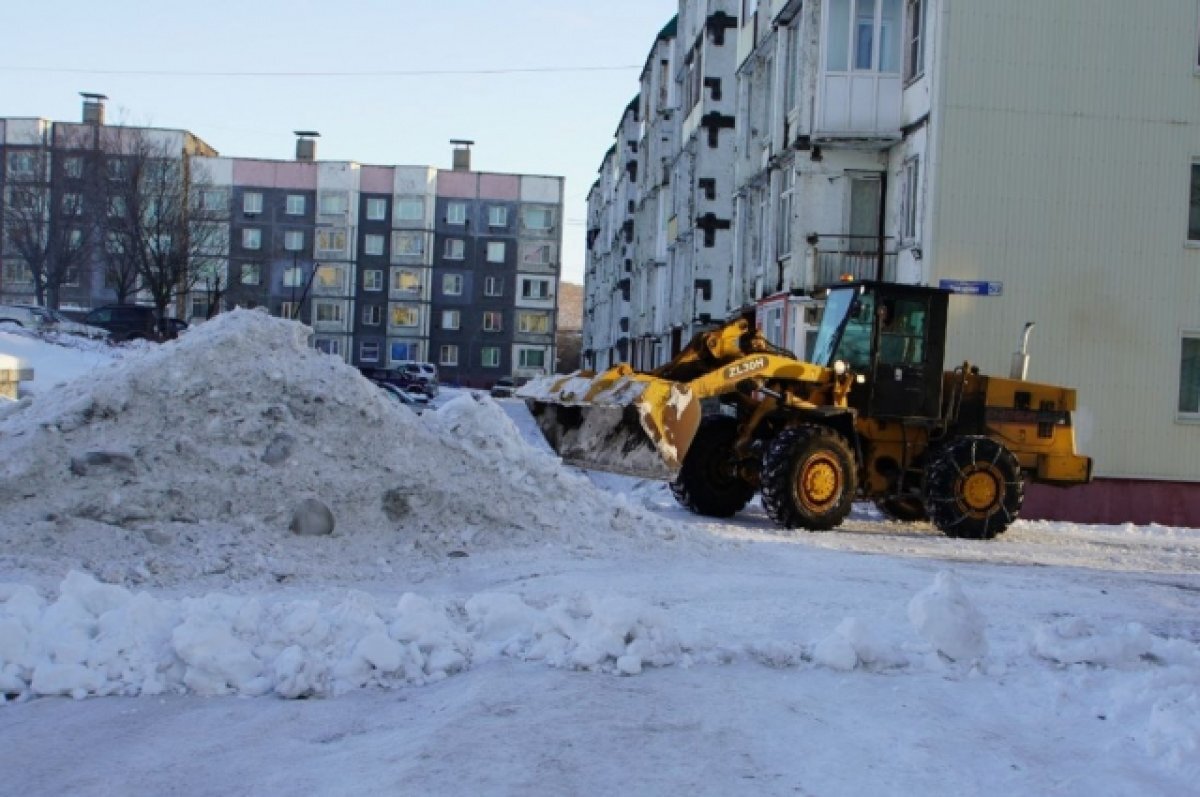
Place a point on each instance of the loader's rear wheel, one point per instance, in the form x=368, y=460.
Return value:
x=902, y=508
x=974, y=488
x=708, y=482
x=808, y=479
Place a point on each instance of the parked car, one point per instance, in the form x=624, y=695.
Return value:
x=415, y=401
x=505, y=387
x=391, y=376
x=34, y=317
x=424, y=374
x=125, y=321
x=172, y=327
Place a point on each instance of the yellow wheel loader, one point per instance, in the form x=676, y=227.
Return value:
x=874, y=416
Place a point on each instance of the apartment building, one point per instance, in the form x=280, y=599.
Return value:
x=991, y=149
x=386, y=264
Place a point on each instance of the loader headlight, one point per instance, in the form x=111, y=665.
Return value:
x=839, y=367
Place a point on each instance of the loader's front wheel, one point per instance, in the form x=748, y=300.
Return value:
x=708, y=482
x=974, y=488
x=808, y=479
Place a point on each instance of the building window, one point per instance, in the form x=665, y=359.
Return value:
x=783, y=221
x=373, y=245
x=293, y=240
x=405, y=316
x=72, y=204
x=213, y=199
x=405, y=281
x=293, y=277
x=537, y=254
x=329, y=278
x=451, y=319
x=914, y=45
x=489, y=357
x=1194, y=213
x=333, y=204
x=456, y=213
x=328, y=346
x=408, y=244
x=17, y=272
x=116, y=207
x=331, y=241
x=910, y=190
x=539, y=218
x=328, y=312
x=251, y=274
x=116, y=168
x=372, y=315
x=863, y=35
x=455, y=249
x=1189, y=376
x=495, y=252
x=73, y=167
x=410, y=209
x=22, y=165
x=452, y=284
x=448, y=355
x=531, y=358
x=368, y=351
x=252, y=202
x=404, y=350
x=289, y=309
x=295, y=205
x=537, y=323
x=497, y=216
x=373, y=279
x=791, y=78
x=493, y=286
x=252, y=238
x=535, y=289
x=493, y=321
x=376, y=209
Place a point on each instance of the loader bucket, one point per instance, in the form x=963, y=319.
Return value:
x=618, y=421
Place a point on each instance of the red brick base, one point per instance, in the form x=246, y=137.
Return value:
x=1114, y=501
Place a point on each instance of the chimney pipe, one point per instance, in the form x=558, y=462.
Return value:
x=93, y=108
x=462, y=154
x=306, y=146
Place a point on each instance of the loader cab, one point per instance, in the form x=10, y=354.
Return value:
x=893, y=335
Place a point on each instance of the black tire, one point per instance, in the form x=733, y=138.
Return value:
x=708, y=483
x=902, y=508
x=974, y=488
x=809, y=479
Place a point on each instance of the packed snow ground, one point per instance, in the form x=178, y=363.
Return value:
x=484, y=621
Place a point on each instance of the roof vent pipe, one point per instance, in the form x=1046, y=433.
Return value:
x=462, y=154
x=306, y=145
x=93, y=108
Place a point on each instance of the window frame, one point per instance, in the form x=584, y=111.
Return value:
x=495, y=246
x=1188, y=415
x=252, y=234
x=458, y=281
x=376, y=202
x=362, y=351
x=524, y=351
x=290, y=208
x=334, y=308
x=456, y=213
x=252, y=203
x=456, y=315
x=396, y=309
x=372, y=315
x=525, y=317
x=248, y=268
x=914, y=39
x=373, y=279
x=374, y=244
x=449, y=250
x=492, y=321
x=497, y=216
x=406, y=203
x=445, y=350
x=544, y=282
x=491, y=353
x=489, y=282
x=289, y=236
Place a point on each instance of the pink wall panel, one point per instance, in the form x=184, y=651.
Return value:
x=376, y=179
x=463, y=185
x=499, y=186
x=275, y=174
x=1116, y=501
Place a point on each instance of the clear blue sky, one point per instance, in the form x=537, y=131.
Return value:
x=548, y=122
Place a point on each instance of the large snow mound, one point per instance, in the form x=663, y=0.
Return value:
x=193, y=458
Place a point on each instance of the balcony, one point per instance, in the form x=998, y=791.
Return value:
x=857, y=256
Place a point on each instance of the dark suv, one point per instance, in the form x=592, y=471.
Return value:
x=125, y=321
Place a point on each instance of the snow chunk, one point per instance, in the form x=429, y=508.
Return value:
x=946, y=619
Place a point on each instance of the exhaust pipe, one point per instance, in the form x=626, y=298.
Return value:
x=1020, y=358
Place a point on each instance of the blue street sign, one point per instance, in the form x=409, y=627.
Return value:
x=972, y=287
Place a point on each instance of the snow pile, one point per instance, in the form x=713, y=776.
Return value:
x=195, y=457
x=102, y=639
x=946, y=619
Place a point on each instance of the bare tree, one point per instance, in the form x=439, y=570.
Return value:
x=50, y=231
x=158, y=228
